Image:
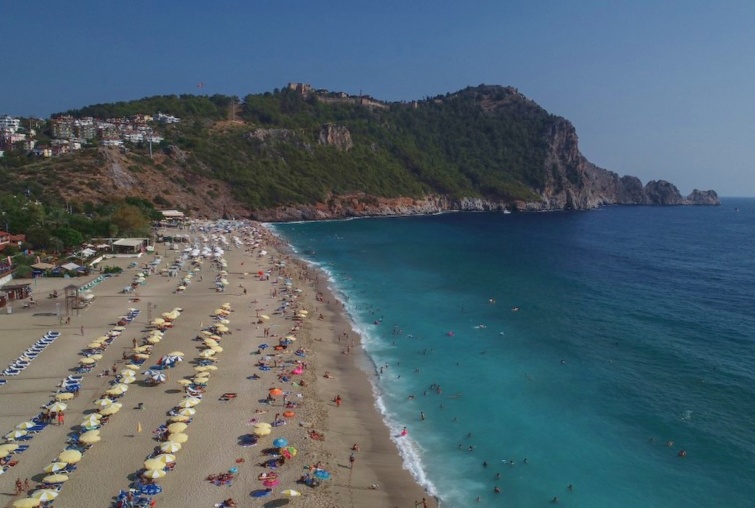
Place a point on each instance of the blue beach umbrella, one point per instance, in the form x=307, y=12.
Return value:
x=263, y=346
x=280, y=442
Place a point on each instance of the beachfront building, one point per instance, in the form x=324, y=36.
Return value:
x=130, y=245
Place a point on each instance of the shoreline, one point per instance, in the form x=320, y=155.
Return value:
x=358, y=417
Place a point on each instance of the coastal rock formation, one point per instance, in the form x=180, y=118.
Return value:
x=337, y=136
x=573, y=182
x=707, y=198
x=662, y=192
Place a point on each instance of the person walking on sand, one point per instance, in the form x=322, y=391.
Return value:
x=352, y=459
x=82, y=330
x=337, y=400
x=61, y=418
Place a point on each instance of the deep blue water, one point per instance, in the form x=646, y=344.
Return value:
x=636, y=327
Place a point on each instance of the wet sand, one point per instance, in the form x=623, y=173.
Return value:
x=213, y=445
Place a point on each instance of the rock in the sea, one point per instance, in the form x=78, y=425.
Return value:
x=661, y=192
x=706, y=198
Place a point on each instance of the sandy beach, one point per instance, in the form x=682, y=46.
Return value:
x=217, y=430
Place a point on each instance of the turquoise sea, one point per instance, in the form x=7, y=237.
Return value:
x=634, y=340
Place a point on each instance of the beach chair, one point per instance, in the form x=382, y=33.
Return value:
x=20, y=449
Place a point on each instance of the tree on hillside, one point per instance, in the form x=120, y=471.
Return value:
x=70, y=237
x=130, y=220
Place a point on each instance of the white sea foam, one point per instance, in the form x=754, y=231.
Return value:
x=410, y=451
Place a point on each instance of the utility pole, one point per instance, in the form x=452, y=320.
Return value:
x=150, y=143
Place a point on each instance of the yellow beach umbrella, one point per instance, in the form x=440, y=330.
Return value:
x=291, y=493
x=25, y=425
x=118, y=389
x=201, y=368
x=222, y=328
x=186, y=403
x=128, y=380
x=58, y=406
x=153, y=340
x=176, y=353
x=127, y=373
x=211, y=341
x=45, y=494
x=211, y=367
x=55, y=478
x=141, y=356
x=111, y=409
x=94, y=345
x=184, y=382
x=217, y=349
x=131, y=366
x=87, y=361
x=154, y=473
x=8, y=447
x=261, y=431
x=179, y=418
x=118, y=328
x=103, y=402
x=153, y=464
x=27, y=502
x=177, y=427
x=157, y=322
x=96, y=357
x=63, y=396
x=264, y=317
x=166, y=458
x=207, y=353
x=90, y=437
x=170, y=447
x=92, y=420
x=140, y=349
x=178, y=437
x=54, y=467
x=187, y=411
x=70, y=456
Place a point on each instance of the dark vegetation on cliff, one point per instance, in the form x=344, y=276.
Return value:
x=484, y=147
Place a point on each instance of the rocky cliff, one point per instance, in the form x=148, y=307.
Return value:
x=575, y=183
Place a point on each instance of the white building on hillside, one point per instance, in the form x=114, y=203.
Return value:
x=166, y=118
x=9, y=123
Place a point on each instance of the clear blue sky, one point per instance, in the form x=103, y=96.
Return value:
x=659, y=90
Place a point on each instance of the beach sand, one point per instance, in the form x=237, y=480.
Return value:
x=213, y=444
